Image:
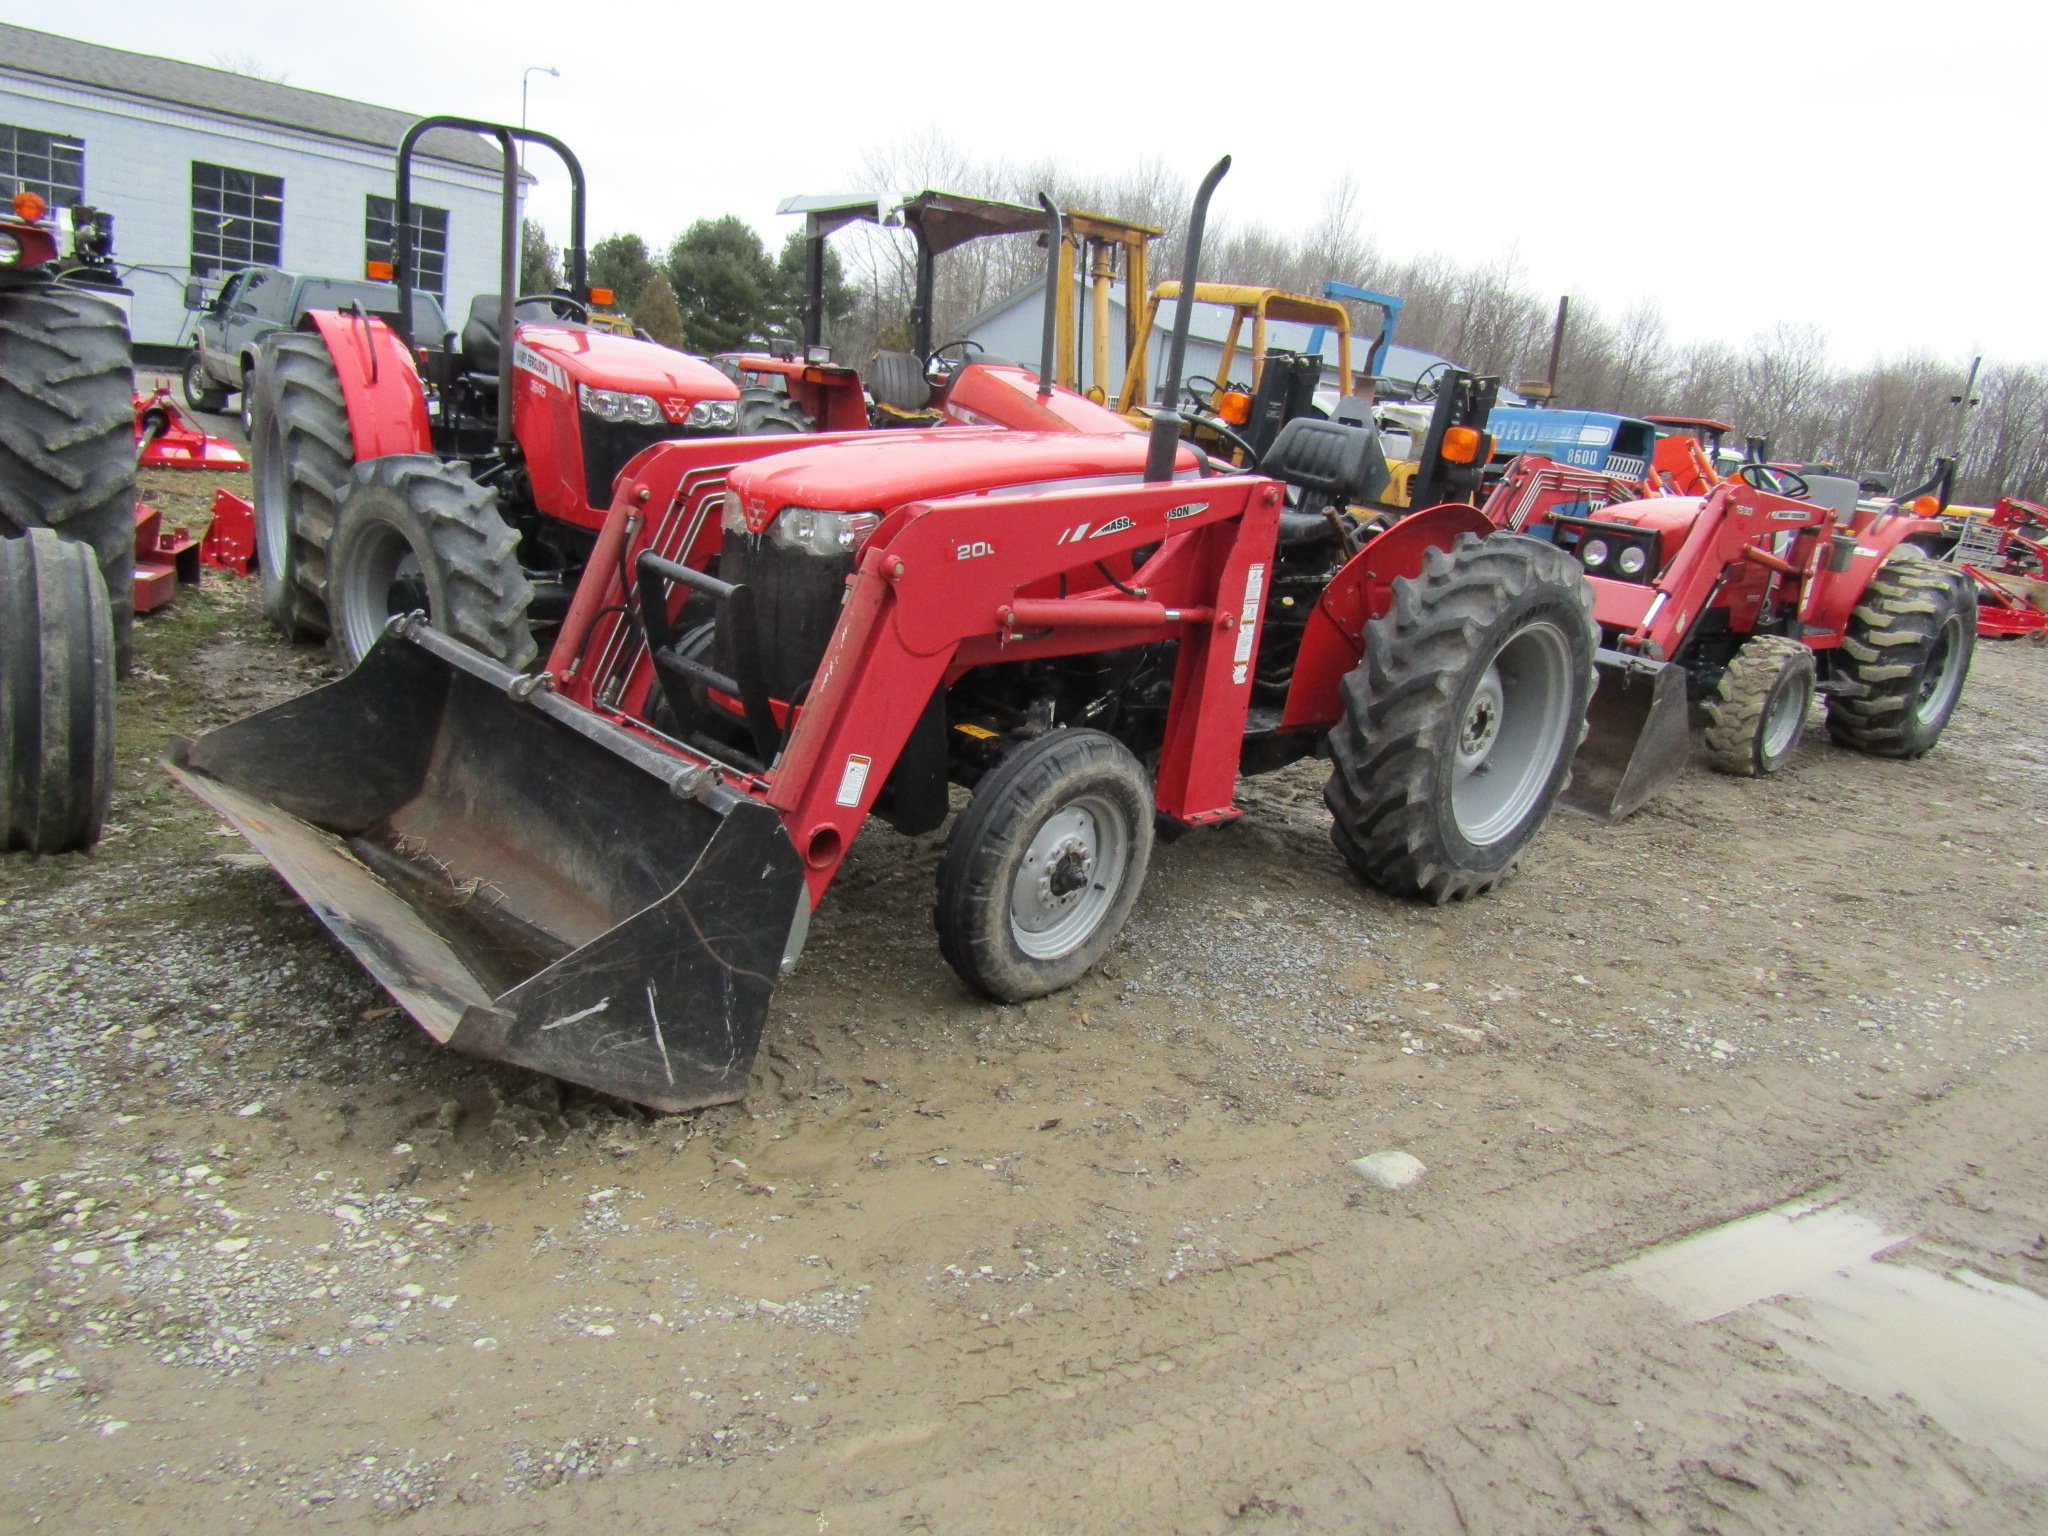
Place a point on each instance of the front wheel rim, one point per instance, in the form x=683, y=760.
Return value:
x=1784, y=718
x=1511, y=733
x=1069, y=877
x=1942, y=678
x=379, y=576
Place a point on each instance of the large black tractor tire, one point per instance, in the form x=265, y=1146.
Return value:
x=1043, y=866
x=56, y=694
x=301, y=454
x=1909, y=644
x=762, y=412
x=1759, y=707
x=1461, y=720
x=202, y=393
x=415, y=533
x=67, y=431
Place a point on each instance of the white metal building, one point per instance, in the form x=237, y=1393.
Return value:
x=205, y=171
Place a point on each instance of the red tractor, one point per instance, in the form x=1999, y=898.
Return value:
x=1748, y=598
x=599, y=869
x=466, y=476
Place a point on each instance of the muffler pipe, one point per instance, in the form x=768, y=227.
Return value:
x=1165, y=445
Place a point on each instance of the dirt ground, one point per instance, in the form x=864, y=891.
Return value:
x=1098, y=1263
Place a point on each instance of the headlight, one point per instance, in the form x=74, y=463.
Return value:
x=1630, y=561
x=1594, y=553
x=822, y=533
x=10, y=250
x=713, y=415
x=615, y=405
x=733, y=520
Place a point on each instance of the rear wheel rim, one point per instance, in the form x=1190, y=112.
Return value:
x=1511, y=734
x=1783, y=719
x=1069, y=877
x=1942, y=678
x=273, y=516
x=380, y=576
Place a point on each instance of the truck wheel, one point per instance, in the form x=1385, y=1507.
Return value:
x=416, y=533
x=1041, y=869
x=1461, y=719
x=201, y=392
x=301, y=453
x=1909, y=644
x=67, y=432
x=56, y=694
x=1759, y=707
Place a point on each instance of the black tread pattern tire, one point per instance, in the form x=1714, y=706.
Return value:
x=56, y=694
x=1742, y=702
x=201, y=392
x=1393, y=752
x=1894, y=634
x=468, y=556
x=761, y=413
x=301, y=453
x=972, y=910
x=67, y=431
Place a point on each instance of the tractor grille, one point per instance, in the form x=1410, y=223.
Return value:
x=608, y=446
x=1624, y=466
x=797, y=597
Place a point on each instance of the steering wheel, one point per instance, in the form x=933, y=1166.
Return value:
x=1782, y=482
x=1229, y=434
x=1429, y=381
x=578, y=310
x=1205, y=399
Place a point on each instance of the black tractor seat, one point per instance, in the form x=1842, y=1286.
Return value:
x=480, y=330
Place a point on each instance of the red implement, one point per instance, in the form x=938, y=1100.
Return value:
x=167, y=438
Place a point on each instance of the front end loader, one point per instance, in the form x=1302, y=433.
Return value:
x=599, y=869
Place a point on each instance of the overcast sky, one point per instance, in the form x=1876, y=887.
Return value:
x=1875, y=170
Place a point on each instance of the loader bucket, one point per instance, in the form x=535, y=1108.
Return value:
x=1637, y=737
x=533, y=883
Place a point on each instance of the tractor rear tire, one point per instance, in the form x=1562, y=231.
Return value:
x=762, y=412
x=201, y=392
x=67, y=432
x=56, y=694
x=1909, y=643
x=1461, y=720
x=1043, y=866
x=416, y=533
x=1759, y=708
x=301, y=452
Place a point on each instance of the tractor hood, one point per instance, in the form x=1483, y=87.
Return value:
x=889, y=469
x=633, y=367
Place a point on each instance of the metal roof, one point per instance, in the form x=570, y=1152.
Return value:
x=223, y=93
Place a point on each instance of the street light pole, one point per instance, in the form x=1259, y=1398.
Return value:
x=531, y=71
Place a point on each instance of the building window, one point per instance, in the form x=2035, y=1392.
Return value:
x=429, y=241
x=237, y=219
x=47, y=164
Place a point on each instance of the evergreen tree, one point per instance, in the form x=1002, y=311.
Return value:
x=729, y=292
x=540, y=264
x=622, y=263
x=655, y=311
x=839, y=295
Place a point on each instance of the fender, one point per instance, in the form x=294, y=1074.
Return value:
x=1836, y=593
x=1362, y=591
x=380, y=386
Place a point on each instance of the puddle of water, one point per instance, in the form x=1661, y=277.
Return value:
x=1773, y=1253
x=1969, y=1352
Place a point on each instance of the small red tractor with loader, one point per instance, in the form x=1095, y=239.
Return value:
x=1748, y=596
x=600, y=868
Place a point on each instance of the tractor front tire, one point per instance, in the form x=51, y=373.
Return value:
x=1462, y=717
x=415, y=533
x=67, y=431
x=1043, y=866
x=56, y=694
x=1759, y=708
x=301, y=452
x=201, y=392
x=1909, y=645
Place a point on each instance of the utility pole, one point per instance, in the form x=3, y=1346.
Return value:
x=1962, y=403
x=1564, y=309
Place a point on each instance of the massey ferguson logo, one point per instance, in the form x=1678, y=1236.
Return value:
x=1186, y=509
x=1114, y=525
x=524, y=357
